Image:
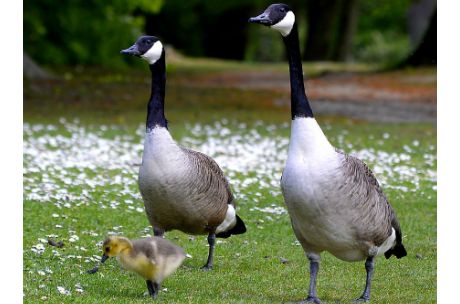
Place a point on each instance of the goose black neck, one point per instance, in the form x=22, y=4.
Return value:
x=300, y=107
x=155, y=109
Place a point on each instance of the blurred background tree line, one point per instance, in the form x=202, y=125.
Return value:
x=91, y=32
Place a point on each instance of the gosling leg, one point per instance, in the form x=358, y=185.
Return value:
x=158, y=232
x=153, y=288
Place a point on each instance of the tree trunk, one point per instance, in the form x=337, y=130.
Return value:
x=418, y=18
x=32, y=70
x=426, y=52
x=346, y=30
x=322, y=17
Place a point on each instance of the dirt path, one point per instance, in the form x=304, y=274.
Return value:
x=378, y=111
x=401, y=96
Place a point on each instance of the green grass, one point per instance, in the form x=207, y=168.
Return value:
x=247, y=267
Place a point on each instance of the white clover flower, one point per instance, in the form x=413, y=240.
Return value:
x=38, y=249
x=73, y=238
x=63, y=291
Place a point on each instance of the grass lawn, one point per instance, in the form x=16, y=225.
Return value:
x=82, y=149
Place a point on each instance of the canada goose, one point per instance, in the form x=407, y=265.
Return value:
x=153, y=258
x=334, y=200
x=182, y=189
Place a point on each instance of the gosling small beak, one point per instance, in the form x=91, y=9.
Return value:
x=133, y=50
x=261, y=19
x=104, y=258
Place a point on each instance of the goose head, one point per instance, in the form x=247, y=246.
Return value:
x=113, y=245
x=277, y=16
x=149, y=48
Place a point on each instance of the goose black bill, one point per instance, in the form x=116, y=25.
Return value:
x=133, y=50
x=263, y=19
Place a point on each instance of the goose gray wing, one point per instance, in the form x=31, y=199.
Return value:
x=373, y=207
x=214, y=178
x=210, y=190
x=211, y=173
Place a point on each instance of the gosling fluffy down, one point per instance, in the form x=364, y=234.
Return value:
x=153, y=258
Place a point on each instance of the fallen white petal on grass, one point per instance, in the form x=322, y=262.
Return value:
x=78, y=288
x=63, y=291
x=249, y=156
x=38, y=249
x=272, y=210
x=73, y=238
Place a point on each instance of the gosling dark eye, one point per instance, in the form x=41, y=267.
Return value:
x=107, y=249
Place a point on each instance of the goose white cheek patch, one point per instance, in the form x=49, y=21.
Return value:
x=154, y=53
x=286, y=24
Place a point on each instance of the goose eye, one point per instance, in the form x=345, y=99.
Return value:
x=282, y=10
x=107, y=249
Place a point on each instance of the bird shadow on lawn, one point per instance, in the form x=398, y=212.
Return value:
x=122, y=295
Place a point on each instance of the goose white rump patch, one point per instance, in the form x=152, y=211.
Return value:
x=286, y=24
x=154, y=53
x=229, y=221
x=388, y=244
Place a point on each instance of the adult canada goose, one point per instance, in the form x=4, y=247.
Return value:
x=152, y=258
x=334, y=200
x=182, y=189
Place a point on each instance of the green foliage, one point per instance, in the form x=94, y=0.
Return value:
x=384, y=15
x=82, y=32
x=93, y=31
x=382, y=34
x=263, y=45
x=389, y=47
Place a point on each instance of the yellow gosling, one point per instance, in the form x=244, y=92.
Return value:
x=153, y=258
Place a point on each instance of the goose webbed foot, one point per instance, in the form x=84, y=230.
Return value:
x=153, y=288
x=311, y=299
x=211, y=241
x=206, y=267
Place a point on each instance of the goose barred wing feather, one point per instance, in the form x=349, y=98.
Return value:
x=211, y=191
x=216, y=179
x=210, y=173
x=375, y=210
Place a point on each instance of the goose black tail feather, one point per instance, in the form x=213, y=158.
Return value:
x=398, y=251
x=239, y=228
